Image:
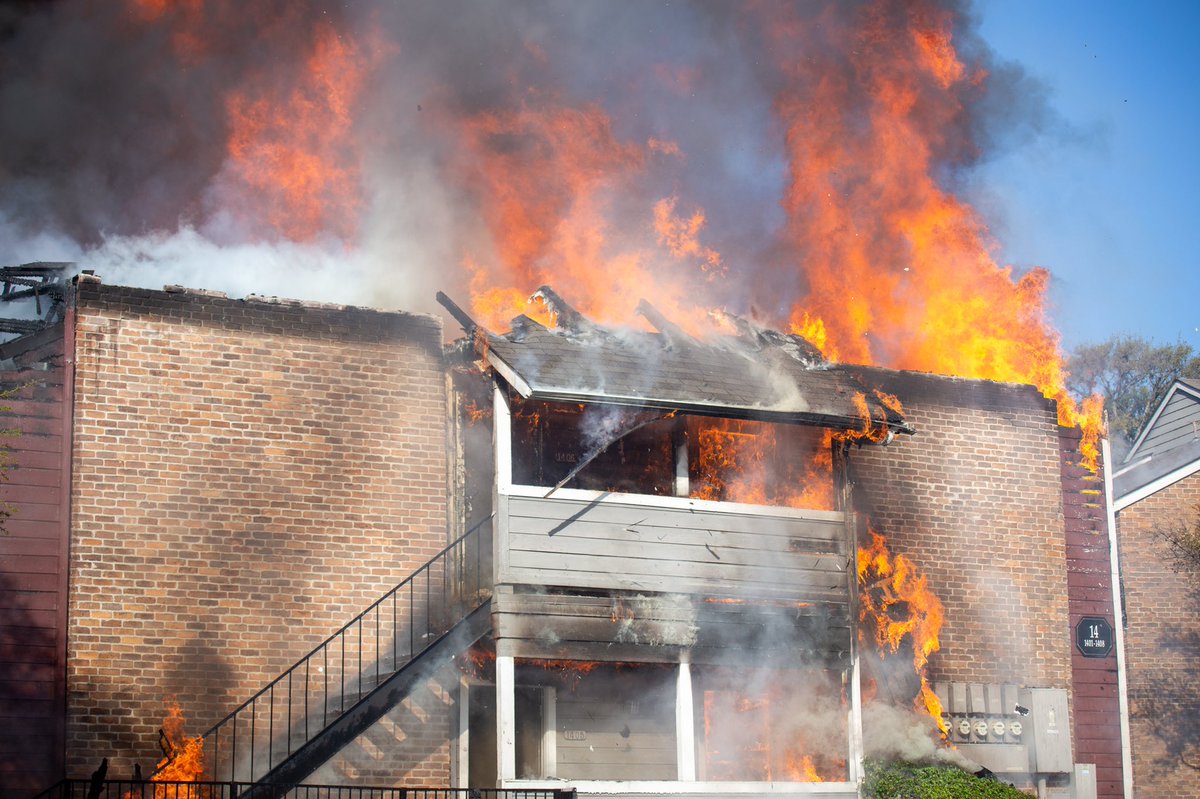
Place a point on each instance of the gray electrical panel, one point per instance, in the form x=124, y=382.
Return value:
x=1051, y=729
x=1010, y=730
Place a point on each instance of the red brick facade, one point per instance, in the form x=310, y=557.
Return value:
x=1162, y=644
x=248, y=476
x=974, y=498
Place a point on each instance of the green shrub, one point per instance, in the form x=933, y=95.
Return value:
x=904, y=781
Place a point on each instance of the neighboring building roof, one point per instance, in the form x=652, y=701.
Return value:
x=1167, y=449
x=758, y=374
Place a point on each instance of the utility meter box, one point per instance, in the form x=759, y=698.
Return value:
x=1083, y=784
x=1050, y=730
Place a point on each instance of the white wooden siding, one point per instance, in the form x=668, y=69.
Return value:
x=1175, y=425
x=580, y=539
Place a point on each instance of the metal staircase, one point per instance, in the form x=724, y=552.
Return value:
x=347, y=683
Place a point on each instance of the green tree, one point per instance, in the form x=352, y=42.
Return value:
x=1132, y=374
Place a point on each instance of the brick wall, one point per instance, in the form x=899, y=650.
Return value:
x=247, y=477
x=1162, y=645
x=975, y=499
x=1097, y=730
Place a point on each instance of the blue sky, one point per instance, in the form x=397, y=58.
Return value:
x=1107, y=201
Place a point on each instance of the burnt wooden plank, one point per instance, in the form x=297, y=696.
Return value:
x=674, y=551
x=634, y=574
x=780, y=522
x=644, y=532
x=650, y=633
x=582, y=650
x=665, y=606
x=634, y=545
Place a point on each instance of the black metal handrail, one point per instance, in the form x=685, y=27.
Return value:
x=140, y=789
x=297, y=705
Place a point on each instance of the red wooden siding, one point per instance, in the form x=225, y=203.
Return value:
x=33, y=563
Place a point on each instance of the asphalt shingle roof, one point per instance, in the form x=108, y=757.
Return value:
x=762, y=375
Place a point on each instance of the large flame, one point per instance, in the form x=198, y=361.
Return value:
x=291, y=151
x=894, y=269
x=874, y=106
x=183, y=756
x=896, y=606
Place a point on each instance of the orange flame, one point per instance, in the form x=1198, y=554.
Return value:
x=898, y=271
x=803, y=770
x=293, y=153
x=735, y=462
x=864, y=194
x=895, y=604
x=547, y=177
x=184, y=761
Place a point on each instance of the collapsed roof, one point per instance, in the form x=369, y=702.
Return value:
x=758, y=374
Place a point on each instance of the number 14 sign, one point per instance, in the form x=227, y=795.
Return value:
x=1094, y=637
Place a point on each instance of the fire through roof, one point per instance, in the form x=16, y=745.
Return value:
x=759, y=374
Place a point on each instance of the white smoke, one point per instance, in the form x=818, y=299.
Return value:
x=890, y=733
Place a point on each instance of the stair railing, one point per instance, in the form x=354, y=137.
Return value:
x=299, y=704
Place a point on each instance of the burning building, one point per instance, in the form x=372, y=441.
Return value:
x=619, y=561
x=281, y=514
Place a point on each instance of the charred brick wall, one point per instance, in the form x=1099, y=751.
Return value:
x=1162, y=643
x=248, y=476
x=975, y=499
x=35, y=418
x=1097, y=731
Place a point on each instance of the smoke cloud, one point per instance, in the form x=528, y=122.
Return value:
x=372, y=152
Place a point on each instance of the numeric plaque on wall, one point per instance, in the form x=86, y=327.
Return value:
x=1094, y=637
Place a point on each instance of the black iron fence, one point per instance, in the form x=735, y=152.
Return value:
x=298, y=705
x=126, y=789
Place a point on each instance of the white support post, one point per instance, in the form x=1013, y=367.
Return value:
x=502, y=450
x=462, y=769
x=685, y=724
x=549, y=732
x=855, y=761
x=502, y=437
x=683, y=486
x=506, y=720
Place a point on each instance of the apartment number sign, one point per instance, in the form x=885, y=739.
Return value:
x=1094, y=637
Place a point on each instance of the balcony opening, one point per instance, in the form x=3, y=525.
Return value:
x=621, y=450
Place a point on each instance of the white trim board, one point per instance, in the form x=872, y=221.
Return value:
x=1149, y=489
